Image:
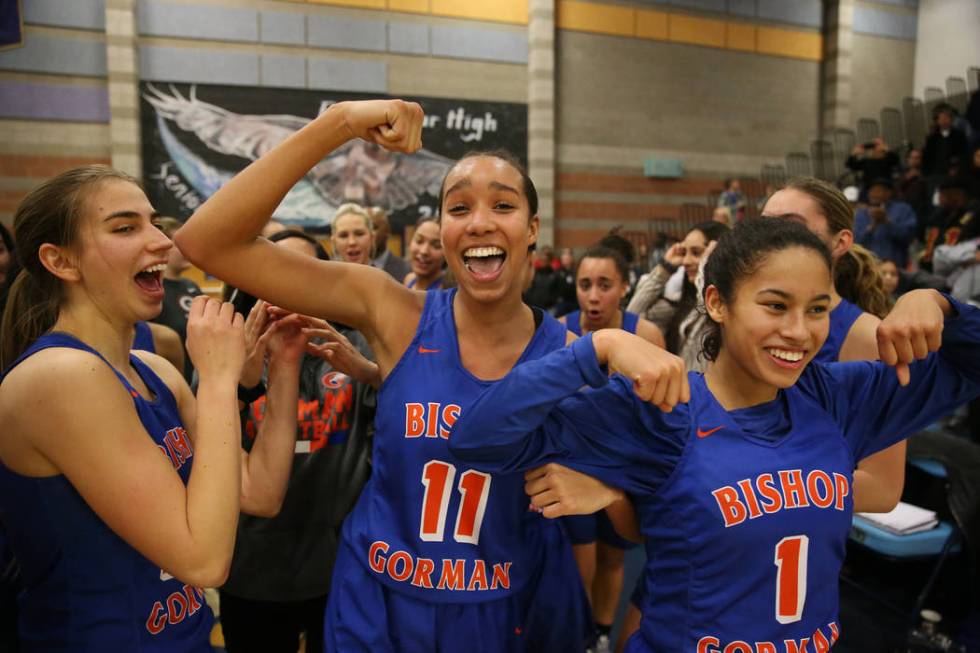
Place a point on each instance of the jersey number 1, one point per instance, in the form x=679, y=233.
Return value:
x=790, y=561
x=474, y=486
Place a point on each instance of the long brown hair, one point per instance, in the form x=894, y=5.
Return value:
x=856, y=275
x=49, y=214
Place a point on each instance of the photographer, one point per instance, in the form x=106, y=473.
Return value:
x=885, y=226
x=872, y=160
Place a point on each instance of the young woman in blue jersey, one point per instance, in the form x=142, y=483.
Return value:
x=741, y=477
x=114, y=531
x=858, y=303
x=435, y=556
x=426, y=257
x=601, y=284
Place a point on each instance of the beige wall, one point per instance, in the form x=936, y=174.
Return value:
x=721, y=112
x=882, y=71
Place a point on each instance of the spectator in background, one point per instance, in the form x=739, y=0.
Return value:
x=733, y=199
x=394, y=265
x=564, y=283
x=872, y=160
x=541, y=290
x=722, y=215
x=945, y=142
x=886, y=226
x=960, y=265
x=955, y=219
x=273, y=227
x=889, y=280
x=912, y=186
x=178, y=292
x=972, y=174
x=426, y=257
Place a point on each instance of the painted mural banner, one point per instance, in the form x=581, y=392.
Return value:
x=197, y=136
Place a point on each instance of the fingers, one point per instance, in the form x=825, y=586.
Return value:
x=904, y=374
x=198, y=306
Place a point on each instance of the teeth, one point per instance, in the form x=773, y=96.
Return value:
x=480, y=252
x=791, y=356
x=159, y=267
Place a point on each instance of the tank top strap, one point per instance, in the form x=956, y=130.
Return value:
x=66, y=340
x=630, y=321
x=143, y=338
x=573, y=322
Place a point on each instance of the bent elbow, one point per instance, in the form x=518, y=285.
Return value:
x=188, y=245
x=210, y=573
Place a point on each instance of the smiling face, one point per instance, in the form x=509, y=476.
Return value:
x=353, y=238
x=486, y=227
x=121, y=253
x=425, y=251
x=600, y=290
x=777, y=320
x=692, y=249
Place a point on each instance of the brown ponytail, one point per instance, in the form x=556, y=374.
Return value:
x=49, y=214
x=858, y=280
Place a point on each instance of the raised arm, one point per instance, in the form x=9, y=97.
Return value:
x=222, y=237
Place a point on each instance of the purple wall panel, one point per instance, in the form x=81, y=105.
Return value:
x=39, y=101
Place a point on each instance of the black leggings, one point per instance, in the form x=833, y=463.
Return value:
x=271, y=626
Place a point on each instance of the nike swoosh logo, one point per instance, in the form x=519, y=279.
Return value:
x=423, y=350
x=704, y=434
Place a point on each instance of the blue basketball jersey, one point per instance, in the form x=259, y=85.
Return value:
x=85, y=588
x=436, y=285
x=745, y=513
x=427, y=525
x=842, y=318
x=573, y=322
x=143, y=338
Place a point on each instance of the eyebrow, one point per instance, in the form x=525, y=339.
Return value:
x=496, y=185
x=462, y=183
x=128, y=214
x=785, y=295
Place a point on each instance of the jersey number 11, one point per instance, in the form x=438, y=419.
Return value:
x=474, y=488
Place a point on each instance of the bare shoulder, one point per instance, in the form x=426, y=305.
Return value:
x=649, y=332
x=53, y=373
x=861, y=343
x=162, y=368
x=570, y=337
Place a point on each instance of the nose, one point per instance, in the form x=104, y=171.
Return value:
x=593, y=295
x=794, y=328
x=481, y=221
x=159, y=242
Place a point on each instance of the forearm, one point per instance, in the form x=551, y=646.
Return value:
x=266, y=468
x=213, y=487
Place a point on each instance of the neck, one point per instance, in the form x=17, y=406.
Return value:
x=507, y=319
x=111, y=338
x=733, y=387
x=423, y=283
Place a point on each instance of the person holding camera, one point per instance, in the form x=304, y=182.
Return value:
x=886, y=226
x=872, y=160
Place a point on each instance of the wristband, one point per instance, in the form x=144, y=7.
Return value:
x=248, y=395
